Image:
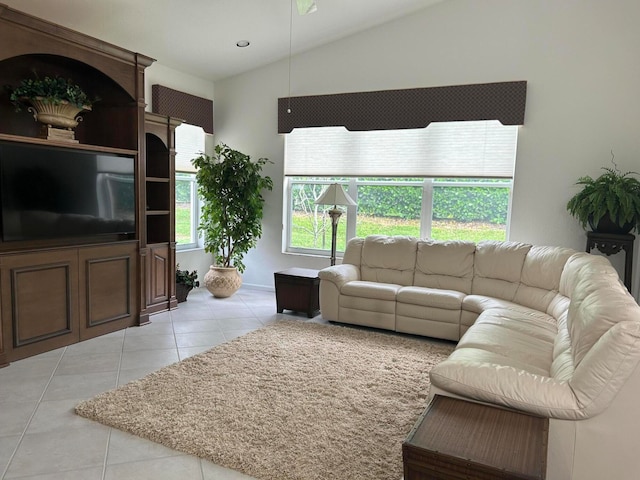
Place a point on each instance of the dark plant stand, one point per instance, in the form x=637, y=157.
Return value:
x=182, y=291
x=612, y=243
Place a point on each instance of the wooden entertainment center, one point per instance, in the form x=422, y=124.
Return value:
x=64, y=289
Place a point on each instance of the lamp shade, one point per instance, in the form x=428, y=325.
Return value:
x=335, y=195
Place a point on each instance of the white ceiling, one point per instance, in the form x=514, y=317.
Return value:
x=199, y=36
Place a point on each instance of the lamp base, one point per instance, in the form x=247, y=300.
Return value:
x=335, y=214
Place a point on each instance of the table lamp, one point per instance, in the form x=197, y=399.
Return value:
x=334, y=195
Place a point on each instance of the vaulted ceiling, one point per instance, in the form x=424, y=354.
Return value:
x=199, y=36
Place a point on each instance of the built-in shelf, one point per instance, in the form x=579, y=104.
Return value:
x=87, y=283
x=160, y=211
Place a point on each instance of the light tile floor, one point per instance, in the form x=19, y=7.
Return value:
x=42, y=439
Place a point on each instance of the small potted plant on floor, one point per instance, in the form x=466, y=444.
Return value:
x=231, y=186
x=185, y=282
x=609, y=203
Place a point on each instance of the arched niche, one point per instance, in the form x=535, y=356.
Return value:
x=112, y=121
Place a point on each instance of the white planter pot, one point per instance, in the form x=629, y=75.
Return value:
x=222, y=282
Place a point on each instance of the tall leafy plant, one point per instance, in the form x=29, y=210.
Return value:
x=231, y=186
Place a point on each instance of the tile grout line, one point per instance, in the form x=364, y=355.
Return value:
x=33, y=413
x=106, y=451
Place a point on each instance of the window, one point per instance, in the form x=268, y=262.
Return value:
x=186, y=210
x=467, y=197
x=190, y=143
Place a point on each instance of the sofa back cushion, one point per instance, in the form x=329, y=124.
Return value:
x=388, y=259
x=597, y=305
x=498, y=268
x=540, y=278
x=353, y=252
x=581, y=265
x=446, y=265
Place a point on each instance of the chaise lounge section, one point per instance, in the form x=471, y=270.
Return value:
x=544, y=330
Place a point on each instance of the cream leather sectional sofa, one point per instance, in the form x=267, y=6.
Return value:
x=544, y=330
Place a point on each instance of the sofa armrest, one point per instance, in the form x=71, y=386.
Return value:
x=340, y=274
x=466, y=376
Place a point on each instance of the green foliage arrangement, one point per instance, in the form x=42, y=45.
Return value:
x=187, y=278
x=612, y=193
x=53, y=90
x=230, y=185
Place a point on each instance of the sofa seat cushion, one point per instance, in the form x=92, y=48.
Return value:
x=514, y=339
x=431, y=297
x=373, y=290
x=480, y=303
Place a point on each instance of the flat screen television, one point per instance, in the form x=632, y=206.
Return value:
x=49, y=192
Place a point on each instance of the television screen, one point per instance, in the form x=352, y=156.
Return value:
x=49, y=192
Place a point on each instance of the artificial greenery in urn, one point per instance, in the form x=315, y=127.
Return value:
x=53, y=90
x=609, y=203
x=230, y=185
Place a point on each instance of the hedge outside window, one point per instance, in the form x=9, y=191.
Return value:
x=442, y=209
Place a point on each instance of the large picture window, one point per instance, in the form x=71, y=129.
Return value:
x=452, y=184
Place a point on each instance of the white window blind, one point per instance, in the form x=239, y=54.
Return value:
x=190, y=143
x=451, y=149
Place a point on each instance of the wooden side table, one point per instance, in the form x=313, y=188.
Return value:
x=298, y=289
x=455, y=439
x=612, y=243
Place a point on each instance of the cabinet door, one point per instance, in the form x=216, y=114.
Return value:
x=108, y=301
x=159, y=268
x=39, y=302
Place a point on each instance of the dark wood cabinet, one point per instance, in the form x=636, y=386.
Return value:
x=298, y=289
x=50, y=300
x=60, y=290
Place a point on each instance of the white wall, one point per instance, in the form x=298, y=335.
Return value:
x=580, y=58
x=158, y=74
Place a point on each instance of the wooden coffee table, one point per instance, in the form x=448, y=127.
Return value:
x=455, y=439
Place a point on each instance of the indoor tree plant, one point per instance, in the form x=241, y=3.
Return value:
x=185, y=282
x=609, y=203
x=231, y=186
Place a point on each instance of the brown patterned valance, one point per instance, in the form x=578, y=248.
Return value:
x=173, y=103
x=408, y=108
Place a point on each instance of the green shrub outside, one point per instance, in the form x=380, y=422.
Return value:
x=463, y=204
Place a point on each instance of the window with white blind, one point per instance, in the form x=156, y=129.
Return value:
x=190, y=143
x=448, y=181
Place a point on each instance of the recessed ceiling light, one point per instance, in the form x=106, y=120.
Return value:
x=243, y=43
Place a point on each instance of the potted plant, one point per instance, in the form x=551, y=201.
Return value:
x=54, y=101
x=609, y=203
x=185, y=282
x=231, y=186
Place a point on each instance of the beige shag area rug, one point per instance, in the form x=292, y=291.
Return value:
x=292, y=400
